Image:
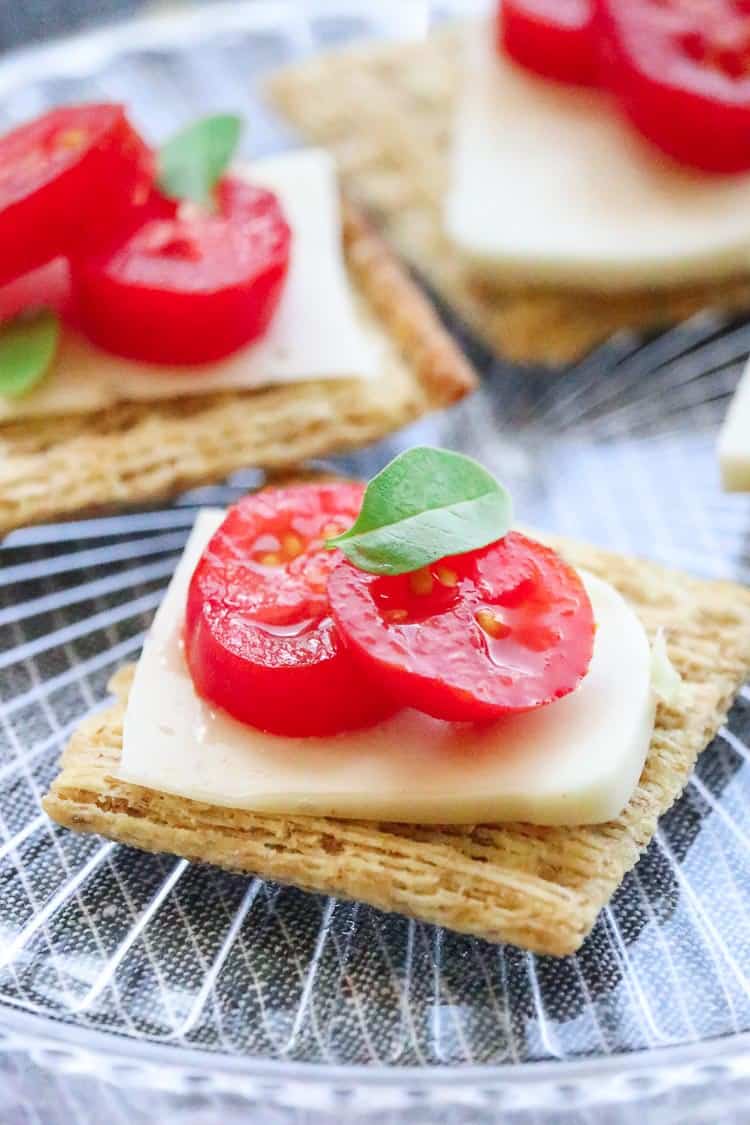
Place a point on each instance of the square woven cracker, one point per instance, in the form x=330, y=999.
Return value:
x=134, y=452
x=391, y=133
x=540, y=888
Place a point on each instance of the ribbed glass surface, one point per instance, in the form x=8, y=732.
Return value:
x=225, y=970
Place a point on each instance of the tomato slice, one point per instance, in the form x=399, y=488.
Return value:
x=191, y=289
x=242, y=201
x=260, y=641
x=554, y=38
x=63, y=177
x=47, y=287
x=681, y=71
x=508, y=628
x=50, y=286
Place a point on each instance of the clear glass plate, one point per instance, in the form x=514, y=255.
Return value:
x=147, y=971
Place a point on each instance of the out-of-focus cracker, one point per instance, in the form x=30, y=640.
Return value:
x=391, y=134
x=135, y=452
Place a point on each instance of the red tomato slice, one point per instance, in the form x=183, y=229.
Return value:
x=681, y=71
x=63, y=177
x=47, y=287
x=50, y=286
x=241, y=201
x=507, y=628
x=260, y=641
x=151, y=206
x=191, y=289
x=551, y=37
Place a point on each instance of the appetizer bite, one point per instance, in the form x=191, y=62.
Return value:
x=564, y=169
x=390, y=694
x=167, y=317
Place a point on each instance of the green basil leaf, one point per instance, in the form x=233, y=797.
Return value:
x=27, y=348
x=428, y=503
x=192, y=161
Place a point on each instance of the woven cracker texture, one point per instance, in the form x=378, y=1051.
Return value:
x=539, y=888
x=137, y=452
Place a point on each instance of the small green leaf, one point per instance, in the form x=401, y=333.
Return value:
x=428, y=503
x=27, y=348
x=193, y=160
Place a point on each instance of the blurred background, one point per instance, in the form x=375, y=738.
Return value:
x=28, y=21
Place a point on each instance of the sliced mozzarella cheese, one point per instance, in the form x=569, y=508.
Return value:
x=549, y=185
x=734, y=439
x=576, y=761
x=316, y=332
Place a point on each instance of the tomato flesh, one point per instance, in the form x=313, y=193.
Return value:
x=553, y=38
x=260, y=641
x=191, y=289
x=46, y=287
x=64, y=177
x=681, y=72
x=505, y=629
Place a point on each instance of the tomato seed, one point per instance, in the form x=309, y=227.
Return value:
x=71, y=138
x=492, y=624
x=446, y=576
x=420, y=582
x=292, y=545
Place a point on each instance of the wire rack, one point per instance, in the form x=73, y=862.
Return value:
x=148, y=971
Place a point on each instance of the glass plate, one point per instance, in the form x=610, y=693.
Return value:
x=150, y=972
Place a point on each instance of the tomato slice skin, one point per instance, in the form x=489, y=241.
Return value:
x=46, y=287
x=191, y=289
x=681, y=73
x=64, y=177
x=505, y=629
x=554, y=38
x=260, y=641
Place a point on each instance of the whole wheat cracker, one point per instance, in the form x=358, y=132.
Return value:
x=390, y=134
x=539, y=888
x=134, y=452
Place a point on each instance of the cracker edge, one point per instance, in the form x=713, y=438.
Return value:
x=526, y=324
x=530, y=909
x=435, y=375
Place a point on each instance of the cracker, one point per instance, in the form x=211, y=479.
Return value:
x=540, y=888
x=135, y=452
x=391, y=137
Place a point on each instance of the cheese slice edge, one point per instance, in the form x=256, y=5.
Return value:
x=734, y=439
x=549, y=185
x=576, y=761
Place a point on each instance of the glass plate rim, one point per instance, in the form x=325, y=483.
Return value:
x=621, y=1077
x=75, y=53
x=618, y=1077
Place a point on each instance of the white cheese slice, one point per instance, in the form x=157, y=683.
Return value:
x=316, y=332
x=734, y=439
x=574, y=762
x=550, y=185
